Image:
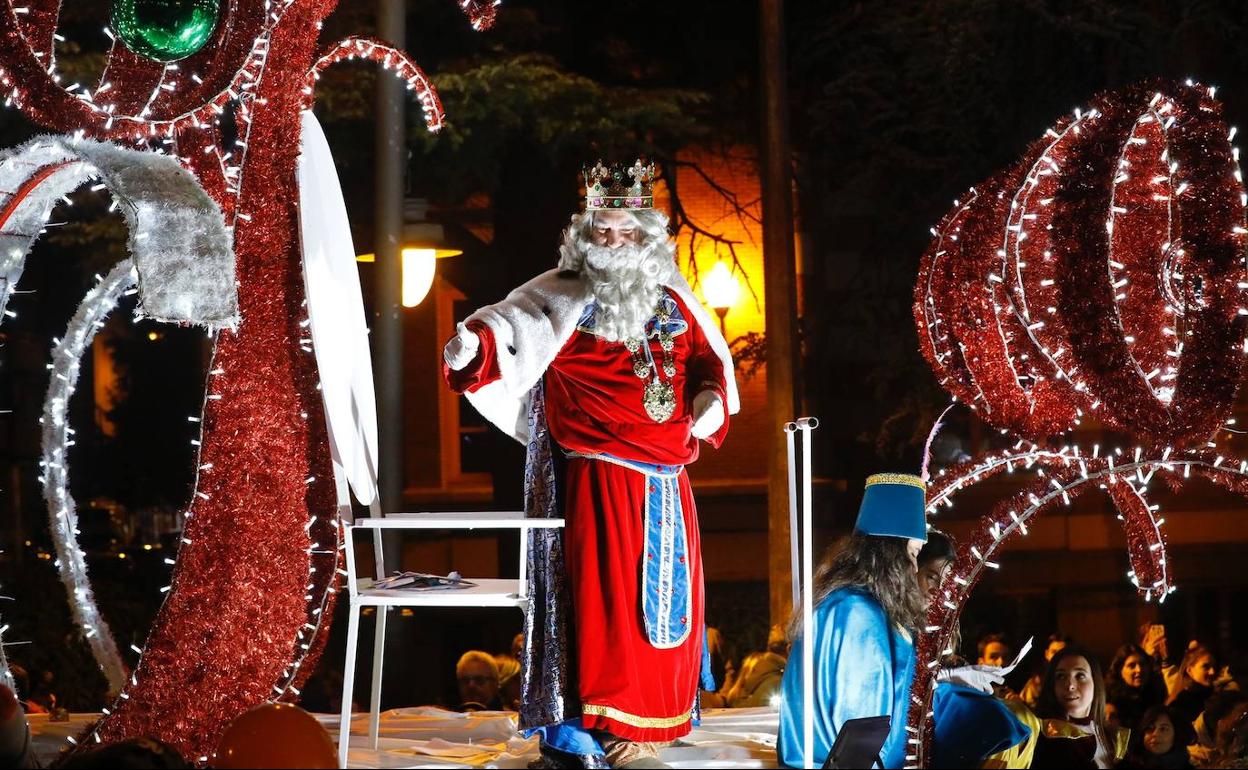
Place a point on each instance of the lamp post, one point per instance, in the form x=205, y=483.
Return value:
x=722, y=290
x=417, y=269
x=390, y=165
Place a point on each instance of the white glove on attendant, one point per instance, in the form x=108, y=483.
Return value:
x=980, y=678
x=462, y=348
x=708, y=414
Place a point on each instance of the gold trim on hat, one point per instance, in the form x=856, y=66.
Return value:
x=897, y=478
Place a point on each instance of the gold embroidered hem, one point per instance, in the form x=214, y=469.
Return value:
x=661, y=723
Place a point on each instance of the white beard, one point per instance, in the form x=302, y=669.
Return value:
x=627, y=283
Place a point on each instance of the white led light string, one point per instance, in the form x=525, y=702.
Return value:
x=1120, y=284
x=57, y=439
x=954, y=375
x=1014, y=237
x=936, y=335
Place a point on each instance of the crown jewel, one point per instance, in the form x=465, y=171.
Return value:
x=619, y=187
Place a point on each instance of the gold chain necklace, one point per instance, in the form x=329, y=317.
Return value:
x=659, y=397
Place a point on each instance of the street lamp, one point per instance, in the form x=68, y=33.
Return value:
x=722, y=290
x=418, y=267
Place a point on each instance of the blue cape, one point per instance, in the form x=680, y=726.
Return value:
x=971, y=726
x=863, y=668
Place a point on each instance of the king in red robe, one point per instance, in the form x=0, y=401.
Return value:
x=612, y=373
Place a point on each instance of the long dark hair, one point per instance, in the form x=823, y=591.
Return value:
x=1183, y=733
x=881, y=567
x=939, y=547
x=1047, y=706
x=1113, y=677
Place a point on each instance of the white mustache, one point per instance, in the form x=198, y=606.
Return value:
x=605, y=258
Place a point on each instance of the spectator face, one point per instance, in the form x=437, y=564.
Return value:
x=1074, y=687
x=1053, y=649
x=1203, y=671
x=995, y=654
x=1159, y=736
x=931, y=574
x=1111, y=715
x=614, y=229
x=477, y=683
x=1133, y=671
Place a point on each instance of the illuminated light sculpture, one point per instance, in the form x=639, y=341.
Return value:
x=257, y=570
x=1076, y=281
x=1104, y=274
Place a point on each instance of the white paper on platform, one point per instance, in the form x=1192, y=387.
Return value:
x=336, y=311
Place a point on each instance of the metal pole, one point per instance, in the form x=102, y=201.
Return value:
x=806, y=425
x=794, y=560
x=387, y=333
x=390, y=163
x=780, y=292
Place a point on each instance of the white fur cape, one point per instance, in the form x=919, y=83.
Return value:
x=532, y=324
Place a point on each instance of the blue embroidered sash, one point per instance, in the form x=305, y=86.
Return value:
x=666, y=588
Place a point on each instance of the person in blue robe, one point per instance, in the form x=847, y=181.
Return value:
x=868, y=605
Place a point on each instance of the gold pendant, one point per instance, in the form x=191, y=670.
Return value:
x=659, y=400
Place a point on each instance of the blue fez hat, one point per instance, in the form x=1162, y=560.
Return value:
x=894, y=505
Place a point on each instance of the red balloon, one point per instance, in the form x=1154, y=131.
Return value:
x=275, y=735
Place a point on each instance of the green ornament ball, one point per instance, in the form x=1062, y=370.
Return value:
x=165, y=30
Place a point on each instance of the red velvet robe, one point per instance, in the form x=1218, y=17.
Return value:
x=594, y=406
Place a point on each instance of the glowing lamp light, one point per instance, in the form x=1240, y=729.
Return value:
x=419, y=267
x=722, y=290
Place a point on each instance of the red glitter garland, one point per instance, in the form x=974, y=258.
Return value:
x=481, y=13
x=258, y=567
x=1053, y=311
x=1105, y=272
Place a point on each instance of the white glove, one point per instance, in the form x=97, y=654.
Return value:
x=708, y=414
x=462, y=348
x=980, y=678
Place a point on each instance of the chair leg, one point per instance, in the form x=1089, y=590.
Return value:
x=348, y=685
x=379, y=648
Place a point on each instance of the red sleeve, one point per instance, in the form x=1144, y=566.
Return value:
x=484, y=368
x=705, y=371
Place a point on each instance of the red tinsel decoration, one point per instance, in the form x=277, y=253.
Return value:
x=481, y=13
x=257, y=571
x=1101, y=273
x=1104, y=273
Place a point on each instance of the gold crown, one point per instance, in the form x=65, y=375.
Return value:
x=619, y=187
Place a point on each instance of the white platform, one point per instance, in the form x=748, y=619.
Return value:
x=432, y=737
